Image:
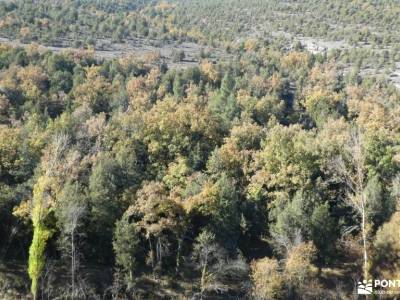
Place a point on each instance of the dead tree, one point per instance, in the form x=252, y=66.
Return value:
x=351, y=167
x=73, y=213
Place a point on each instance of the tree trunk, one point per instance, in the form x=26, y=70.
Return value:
x=73, y=264
x=364, y=237
x=203, y=276
x=178, y=256
x=152, y=256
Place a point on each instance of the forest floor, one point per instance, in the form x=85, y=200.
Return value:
x=318, y=45
x=139, y=47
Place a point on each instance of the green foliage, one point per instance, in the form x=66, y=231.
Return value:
x=178, y=88
x=290, y=222
x=226, y=217
x=323, y=231
x=126, y=246
x=177, y=176
x=104, y=187
x=224, y=104
x=37, y=257
x=41, y=233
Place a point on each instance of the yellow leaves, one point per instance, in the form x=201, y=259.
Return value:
x=250, y=44
x=260, y=109
x=256, y=188
x=79, y=55
x=374, y=110
x=295, y=60
x=165, y=117
x=299, y=268
x=387, y=248
x=170, y=126
x=235, y=154
x=33, y=81
x=32, y=74
x=275, y=81
x=231, y=156
x=95, y=91
x=141, y=89
x=9, y=144
x=259, y=84
x=268, y=282
x=244, y=98
x=153, y=78
x=7, y=21
x=9, y=80
x=332, y=137
x=321, y=104
x=38, y=137
x=92, y=72
x=176, y=173
x=5, y=48
x=248, y=135
x=319, y=95
x=34, y=49
x=23, y=210
x=95, y=125
x=25, y=31
x=323, y=77
x=163, y=5
x=208, y=68
x=43, y=198
x=195, y=34
x=204, y=201
x=37, y=258
x=135, y=86
x=289, y=157
x=371, y=115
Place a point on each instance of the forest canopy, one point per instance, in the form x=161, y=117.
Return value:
x=270, y=173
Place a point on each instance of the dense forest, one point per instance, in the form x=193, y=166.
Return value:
x=272, y=172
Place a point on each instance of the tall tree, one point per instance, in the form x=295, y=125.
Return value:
x=352, y=168
x=126, y=246
x=71, y=211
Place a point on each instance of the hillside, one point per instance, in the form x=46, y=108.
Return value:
x=198, y=149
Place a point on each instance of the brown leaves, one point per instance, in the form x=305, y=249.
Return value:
x=299, y=268
x=274, y=280
x=33, y=81
x=387, y=248
x=156, y=210
x=268, y=283
x=142, y=90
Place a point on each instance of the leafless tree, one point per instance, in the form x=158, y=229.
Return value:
x=72, y=215
x=351, y=167
x=48, y=279
x=209, y=257
x=59, y=146
x=285, y=242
